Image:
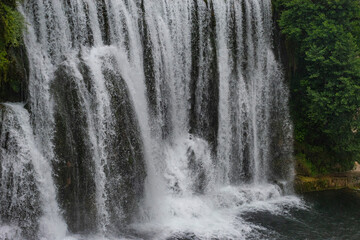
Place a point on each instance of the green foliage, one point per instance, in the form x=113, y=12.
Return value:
x=11, y=28
x=324, y=36
x=304, y=166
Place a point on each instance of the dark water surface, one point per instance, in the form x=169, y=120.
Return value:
x=331, y=214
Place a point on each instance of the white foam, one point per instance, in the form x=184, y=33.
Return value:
x=216, y=214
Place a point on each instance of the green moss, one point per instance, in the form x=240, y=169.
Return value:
x=304, y=166
x=312, y=184
x=12, y=25
x=349, y=180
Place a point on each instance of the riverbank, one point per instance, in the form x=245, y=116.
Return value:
x=350, y=179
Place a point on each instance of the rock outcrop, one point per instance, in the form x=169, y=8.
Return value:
x=349, y=179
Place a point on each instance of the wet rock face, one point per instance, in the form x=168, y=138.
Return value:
x=74, y=167
x=74, y=170
x=125, y=168
x=204, y=75
x=19, y=196
x=197, y=170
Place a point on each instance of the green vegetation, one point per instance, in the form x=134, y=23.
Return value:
x=322, y=41
x=11, y=28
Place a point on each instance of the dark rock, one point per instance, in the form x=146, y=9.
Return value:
x=14, y=89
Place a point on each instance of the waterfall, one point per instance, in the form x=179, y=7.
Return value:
x=22, y=163
x=145, y=119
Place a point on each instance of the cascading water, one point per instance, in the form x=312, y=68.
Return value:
x=23, y=199
x=145, y=119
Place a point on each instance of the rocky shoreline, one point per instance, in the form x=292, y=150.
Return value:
x=350, y=179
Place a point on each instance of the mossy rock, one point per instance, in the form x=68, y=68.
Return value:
x=330, y=182
x=14, y=89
